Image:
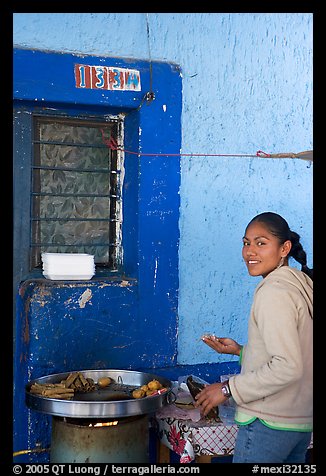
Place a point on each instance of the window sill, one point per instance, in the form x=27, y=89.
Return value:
x=100, y=275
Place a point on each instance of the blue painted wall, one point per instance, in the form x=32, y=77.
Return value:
x=126, y=321
x=246, y=85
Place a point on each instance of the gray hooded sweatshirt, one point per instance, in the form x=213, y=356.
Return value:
x=276, y=378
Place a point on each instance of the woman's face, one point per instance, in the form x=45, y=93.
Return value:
x=262, y=251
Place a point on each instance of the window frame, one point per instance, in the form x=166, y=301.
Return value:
x=115, y=191
x=24, y=117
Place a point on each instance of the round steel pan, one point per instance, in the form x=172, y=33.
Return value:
x=99, y=403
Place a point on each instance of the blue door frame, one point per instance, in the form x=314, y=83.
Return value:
x=130, y=321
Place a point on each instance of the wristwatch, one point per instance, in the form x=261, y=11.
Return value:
x=226, y=389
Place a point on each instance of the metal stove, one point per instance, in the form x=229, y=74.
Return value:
x=96, y=428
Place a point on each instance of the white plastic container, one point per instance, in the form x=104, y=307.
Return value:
x=68, y=266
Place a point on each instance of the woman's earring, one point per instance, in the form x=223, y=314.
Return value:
x=280, y=263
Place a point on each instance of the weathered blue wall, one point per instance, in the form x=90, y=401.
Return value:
x=246, y=85
x=126, y=321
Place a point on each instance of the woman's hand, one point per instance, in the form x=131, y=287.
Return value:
x=211, y=396
x=222, y=345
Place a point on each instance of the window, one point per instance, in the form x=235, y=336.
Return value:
x=76, y=189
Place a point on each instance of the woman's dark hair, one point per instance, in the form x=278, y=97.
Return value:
x=280, y=228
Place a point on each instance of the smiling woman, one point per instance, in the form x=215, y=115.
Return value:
x=269, y=242
x=262, y=250
x=273, y=392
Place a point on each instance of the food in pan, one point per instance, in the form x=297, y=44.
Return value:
x=151, y=392
x=75, y=382
x=153, y=387
x=79, y=383
x=52, y=390
x=104, y=382
x=138, y=393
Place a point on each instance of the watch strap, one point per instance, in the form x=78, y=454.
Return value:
x=226, y=389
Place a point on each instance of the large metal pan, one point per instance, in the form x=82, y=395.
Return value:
x=100, y=403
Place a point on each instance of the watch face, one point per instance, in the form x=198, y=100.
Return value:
x=225, y=391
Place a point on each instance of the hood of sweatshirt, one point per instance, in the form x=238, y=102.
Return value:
x=294, y=277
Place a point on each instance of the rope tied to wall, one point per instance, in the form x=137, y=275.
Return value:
x=305, y=155
x=112, y=144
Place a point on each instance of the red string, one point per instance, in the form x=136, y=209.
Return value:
x=184, y=155
x=113, y=145
x=261, y=153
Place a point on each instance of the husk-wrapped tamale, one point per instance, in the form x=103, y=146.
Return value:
x=195, y=387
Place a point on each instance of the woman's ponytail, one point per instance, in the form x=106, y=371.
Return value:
x=299, y=254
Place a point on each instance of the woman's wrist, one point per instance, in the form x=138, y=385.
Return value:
x=226, y=389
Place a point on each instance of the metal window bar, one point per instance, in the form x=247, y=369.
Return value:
x=113, y=243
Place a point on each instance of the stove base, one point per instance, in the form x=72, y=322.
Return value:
x=75, y=441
